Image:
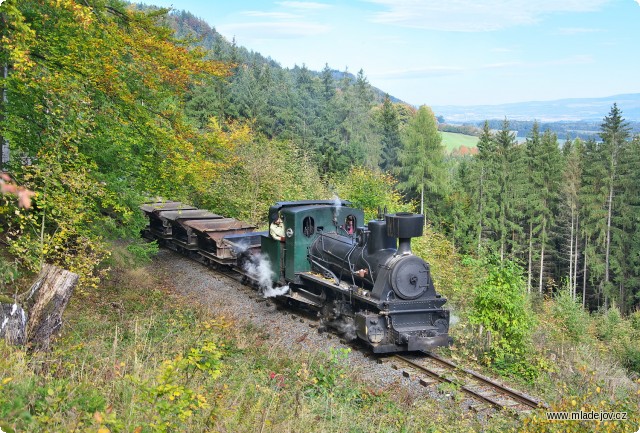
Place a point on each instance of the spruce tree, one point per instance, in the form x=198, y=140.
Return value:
x=486, y=193
x=422, y=157
x=614, y=133
x=509, y=190
x=532, y=151
x=593, y=199
x=570, y=208
x=389, y=126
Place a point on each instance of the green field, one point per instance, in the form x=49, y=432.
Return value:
x=452, y=141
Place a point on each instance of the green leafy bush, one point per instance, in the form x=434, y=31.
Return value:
x=501, y=309
x=142, y=252
x=571, y=321
x=369, y=190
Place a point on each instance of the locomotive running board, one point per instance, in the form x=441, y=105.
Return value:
x=305, y=297
x=342, y=288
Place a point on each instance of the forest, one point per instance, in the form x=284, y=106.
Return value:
x=568, y=214
x=106, y=105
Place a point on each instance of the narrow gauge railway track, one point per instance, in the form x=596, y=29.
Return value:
x=432, y=369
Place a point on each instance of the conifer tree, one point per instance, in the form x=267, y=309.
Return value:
x=532, y=150
x=614, y=133
x=593, y=199
x=360, y=139
x=541, y=193
x=389, y=134
x=486, y=192
x=549, y=165
x=570, y=207
x=509, y=190
x=422, y=157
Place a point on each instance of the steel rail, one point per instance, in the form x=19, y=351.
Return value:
x=442, y=378
x=514, y=395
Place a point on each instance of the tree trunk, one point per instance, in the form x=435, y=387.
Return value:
x=584, y=274
x=480, y=210
x=45, y=318
x=543, y=241
x=541, y=282
x=502, y=230
x=571, y=288
x=13, y=322
x=607, y=252
x=422, y=201
x=530, y=270
x=621, y=302
x=575, y=263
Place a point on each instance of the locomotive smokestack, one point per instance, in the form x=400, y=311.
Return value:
x=404, y=246
x=404, y=226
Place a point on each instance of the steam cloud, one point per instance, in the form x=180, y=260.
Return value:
x=272, y=292
x=240, y=247
x=453, y=320
x=347, y=328
x=336, y=204
x=259, y=268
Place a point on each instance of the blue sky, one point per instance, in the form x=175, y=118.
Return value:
x=455, y=52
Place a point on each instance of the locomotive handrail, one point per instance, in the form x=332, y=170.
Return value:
x=337, y=281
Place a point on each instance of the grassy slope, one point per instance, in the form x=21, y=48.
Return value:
x=452, y=141
x=134, y=357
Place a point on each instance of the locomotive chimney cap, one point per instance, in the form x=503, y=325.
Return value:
x=404, y=225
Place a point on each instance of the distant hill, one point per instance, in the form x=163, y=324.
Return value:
x=188, y=26
x=582, y=109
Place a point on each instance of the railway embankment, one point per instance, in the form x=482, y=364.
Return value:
x=174, y=346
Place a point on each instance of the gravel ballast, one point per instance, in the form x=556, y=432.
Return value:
x=289, y=330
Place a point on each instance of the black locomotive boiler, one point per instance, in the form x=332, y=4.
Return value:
x=362, y=279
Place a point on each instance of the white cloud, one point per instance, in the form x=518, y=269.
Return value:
x=578, y=59
x=430, y=71
x=272, y=15
x=474, y=16
x=446, y=71
x=271, y=25
x=303, y=5
x=577, y=30
x=273, y=30
x=638, y=1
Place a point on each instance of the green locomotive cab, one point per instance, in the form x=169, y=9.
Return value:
x=303, y=222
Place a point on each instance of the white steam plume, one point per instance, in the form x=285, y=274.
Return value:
x=240, y=247
x=453, y=320
x=272, y=292
x=336, y=204
x=259, y=269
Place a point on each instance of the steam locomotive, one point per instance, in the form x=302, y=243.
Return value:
x=363, y=280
